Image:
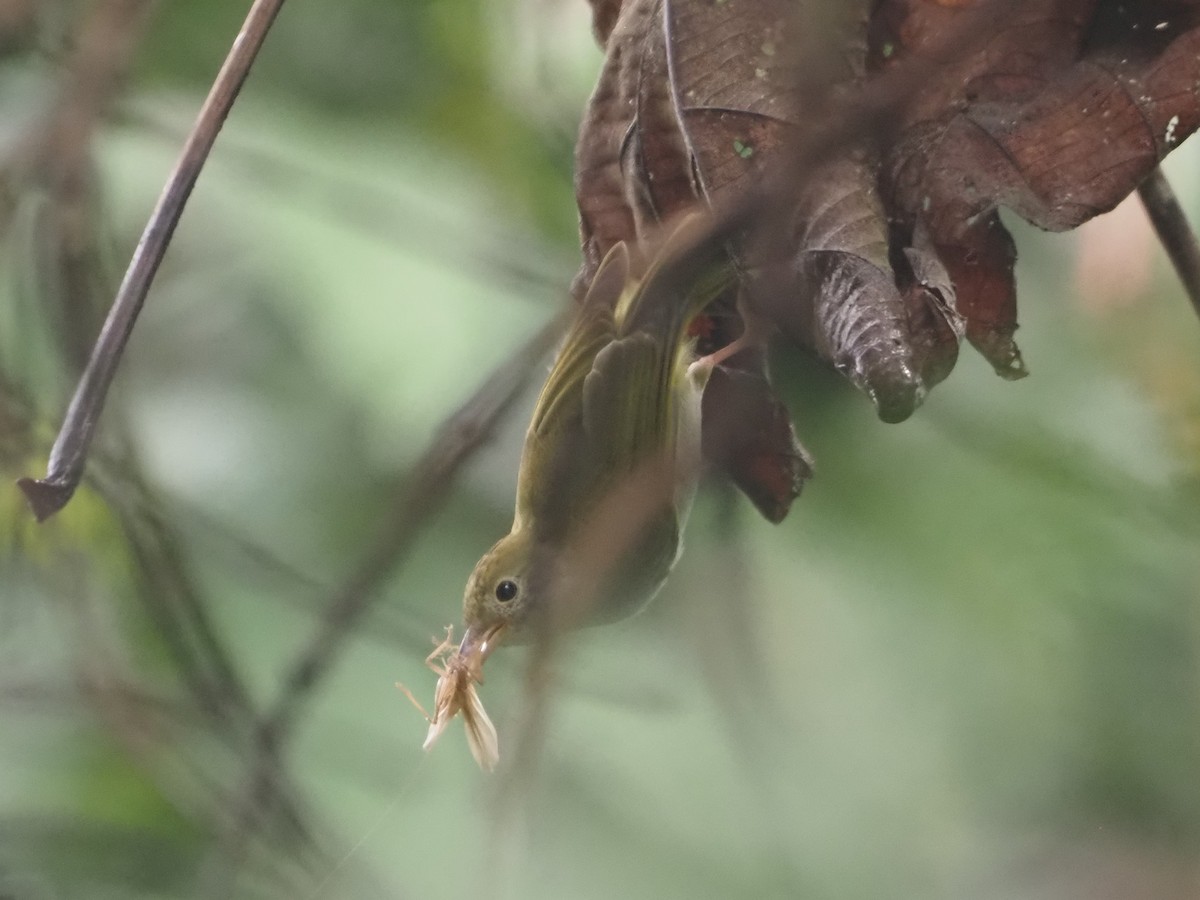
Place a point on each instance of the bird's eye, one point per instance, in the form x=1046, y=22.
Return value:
x=506, y=590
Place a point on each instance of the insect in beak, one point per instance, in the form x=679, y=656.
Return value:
x=459, y=671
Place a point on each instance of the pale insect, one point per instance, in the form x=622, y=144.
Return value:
x=455, y=693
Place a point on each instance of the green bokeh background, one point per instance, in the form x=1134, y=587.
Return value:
x=965, y=666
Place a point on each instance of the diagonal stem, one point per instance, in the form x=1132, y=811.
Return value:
x=68, y=457
x=1176, y=235
x=461, y=435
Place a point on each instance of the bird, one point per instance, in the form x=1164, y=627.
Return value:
x=608, y=471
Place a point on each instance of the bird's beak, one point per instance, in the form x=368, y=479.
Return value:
x=480, y=642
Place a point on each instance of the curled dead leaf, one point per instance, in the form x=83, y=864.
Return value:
x=456, y=693
x=896, y=249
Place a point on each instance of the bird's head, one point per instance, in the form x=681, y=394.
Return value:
x=500, y=597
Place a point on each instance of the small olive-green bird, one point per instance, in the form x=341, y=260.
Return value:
x=608, y=472
x=612, y=456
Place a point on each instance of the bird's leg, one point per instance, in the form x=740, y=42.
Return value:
x=748, y=338
x=753, y=334
x=733, y=348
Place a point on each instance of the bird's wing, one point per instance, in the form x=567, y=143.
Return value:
x=630, y=393
x=627, y=400
x=630, y=434
x=592, y=329
x=555, y=428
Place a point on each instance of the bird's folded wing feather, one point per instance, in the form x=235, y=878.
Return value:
x=626, y=402
x=592, y=330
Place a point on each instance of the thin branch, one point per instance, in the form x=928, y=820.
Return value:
x=68, y=457
x=1171, y=225
x=461, y=435
x=183, y=618
x=458, y=439
x=58, y=153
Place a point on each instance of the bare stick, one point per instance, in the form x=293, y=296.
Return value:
x=68, y=457
x=1173, y=230
x=460, y=436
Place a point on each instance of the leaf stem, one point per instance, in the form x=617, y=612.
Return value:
x=1176, y=235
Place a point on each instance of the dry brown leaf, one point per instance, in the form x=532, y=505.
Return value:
x=1059, y=117
x=896, y=248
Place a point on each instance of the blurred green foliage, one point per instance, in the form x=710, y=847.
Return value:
x=966, y=666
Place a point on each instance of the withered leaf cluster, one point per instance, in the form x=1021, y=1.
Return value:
x=894, y=249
